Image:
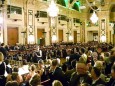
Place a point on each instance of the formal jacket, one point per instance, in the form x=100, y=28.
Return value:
x=68, y=74
x=4, y=51
x=2, y=68
x=58, y=74
x=75, y=79
x=98, y=82
x=111, y=82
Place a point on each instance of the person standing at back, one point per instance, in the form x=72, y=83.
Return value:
x=2, y=70
x=3, y=50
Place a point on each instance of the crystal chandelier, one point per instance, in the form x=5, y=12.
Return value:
x=94, y=18
x=53, y=9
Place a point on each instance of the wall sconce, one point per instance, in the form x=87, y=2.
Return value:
x=103, y=38
x=54, y=38
x=70, y=38
x=31, y=39
x=42, y=22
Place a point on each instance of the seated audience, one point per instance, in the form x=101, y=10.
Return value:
x=24, y=69
x=8, y=67
x=31, y=73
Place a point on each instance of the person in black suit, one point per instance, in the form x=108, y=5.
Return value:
x=95, y=74
x=56, y=73
x=2, y=70
x=69, y=72
x=3, y=50
x=112, y=79
x=64, y=53
x=80, y=76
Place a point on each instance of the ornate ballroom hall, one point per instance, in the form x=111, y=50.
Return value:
x=51, y=42
x=52, y=21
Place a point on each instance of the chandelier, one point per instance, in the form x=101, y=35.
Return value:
x=53, y=9
x=94, y=18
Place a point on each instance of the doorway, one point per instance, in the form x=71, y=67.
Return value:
x=75, y=36
x=92, y=36
x=40, y=37
x=12, y=35
x=60, y=35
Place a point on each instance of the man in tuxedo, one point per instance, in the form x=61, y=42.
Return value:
x=95, y=74
x=39, y=54
x=3, y=50
x=56, y=73
x=80, y=76
x=112, y=79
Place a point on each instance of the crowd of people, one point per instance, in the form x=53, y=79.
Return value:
x=84, y=64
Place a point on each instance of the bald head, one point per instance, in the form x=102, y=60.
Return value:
x=81, y=68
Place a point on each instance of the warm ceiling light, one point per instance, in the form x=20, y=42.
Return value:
x=53, y=9
x=31, y=39
x=94, y=18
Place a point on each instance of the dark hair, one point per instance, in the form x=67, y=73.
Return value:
x=14, y=76
x=32, y=67
x=15, y=69
x=97, y=71
x=2, y=44
x=6, y=61
x=54, y=62
x=40, y=61
x=36, y=80
x=64, y=67
x=73, y=63
x=24, y=62
x=83, y=50
x=107, y=54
